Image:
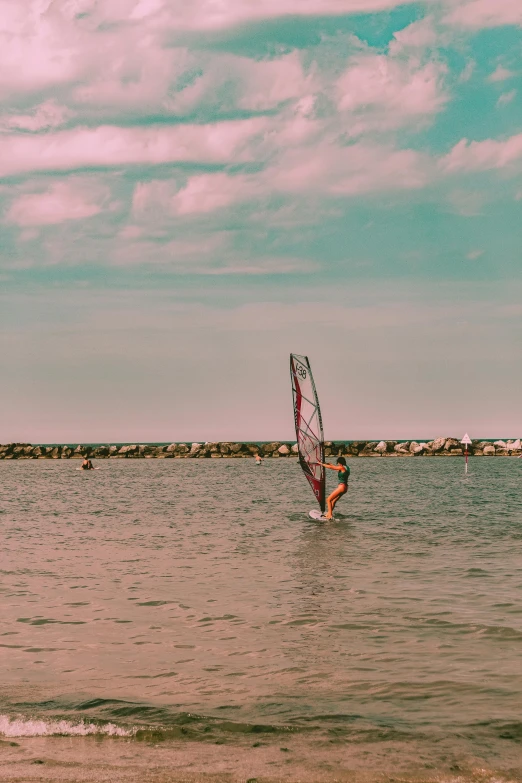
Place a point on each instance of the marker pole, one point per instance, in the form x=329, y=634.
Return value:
x=466, y=441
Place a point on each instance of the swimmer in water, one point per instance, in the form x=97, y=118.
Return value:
x=343, y=474
x=258, y=458
x=87, y=464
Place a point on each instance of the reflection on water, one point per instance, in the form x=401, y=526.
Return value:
x=151, y=590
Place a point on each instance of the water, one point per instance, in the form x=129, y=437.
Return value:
x=186, y=613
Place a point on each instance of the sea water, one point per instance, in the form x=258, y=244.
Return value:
x=184, y=619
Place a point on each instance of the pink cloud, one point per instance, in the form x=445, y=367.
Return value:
x=202, y=193
x=114, y=146
x=43, y=117
x=62, y=201
x=418, y=35
x=484, y=13
x=358, y=168
x=500, y=74
x=210, y=15
x=394, y=90
x=506, y=97
x=37, y=49
x=483, y=155
x=209, y=192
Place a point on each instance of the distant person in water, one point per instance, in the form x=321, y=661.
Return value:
x=258, y=458
x=87, y=464
x=343, y=474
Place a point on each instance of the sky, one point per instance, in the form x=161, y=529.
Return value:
x=190, y=191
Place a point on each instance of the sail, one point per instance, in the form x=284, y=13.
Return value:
x=308, y=426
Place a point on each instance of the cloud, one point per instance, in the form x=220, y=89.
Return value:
x=226, y=82
x=208, y=15
x=500, y=74
x=62, y=201
x=478, y=14
x=209, y=192
x=358, y=168
x=483, y=155
x=36, y=50
x=473, y=255
x=418, y=35
x=388, y=92
x=212, y=254
x=200, y=194
x=506, y=98
x=468, y=203
x=44, y=116
x=111, y=146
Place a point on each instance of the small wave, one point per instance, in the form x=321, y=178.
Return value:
x=28, y=727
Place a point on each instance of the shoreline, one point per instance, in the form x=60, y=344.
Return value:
x=439, y=447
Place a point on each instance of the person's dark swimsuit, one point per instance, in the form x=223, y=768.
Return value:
x=343, y=475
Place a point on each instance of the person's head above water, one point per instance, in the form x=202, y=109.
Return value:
x=341, y=461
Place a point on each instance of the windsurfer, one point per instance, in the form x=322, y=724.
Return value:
x=343, y=473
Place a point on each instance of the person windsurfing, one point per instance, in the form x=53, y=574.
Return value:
x=343, y=474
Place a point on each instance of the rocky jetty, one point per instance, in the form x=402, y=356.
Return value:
x=440, y=447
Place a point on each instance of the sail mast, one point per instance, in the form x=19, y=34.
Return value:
x=308, y=426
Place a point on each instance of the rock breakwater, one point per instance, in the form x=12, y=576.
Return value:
x=439, y=447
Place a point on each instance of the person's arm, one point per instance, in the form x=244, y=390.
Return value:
x=326, y=465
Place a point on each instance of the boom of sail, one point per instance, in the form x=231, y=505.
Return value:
x=308, y=426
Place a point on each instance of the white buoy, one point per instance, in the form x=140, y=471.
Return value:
x=466, y=440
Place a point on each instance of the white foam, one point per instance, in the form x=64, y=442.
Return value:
x=27, y=727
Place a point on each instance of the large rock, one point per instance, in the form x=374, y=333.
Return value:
x=416, y=448
x=295, y=449
x=171, y=448
x=381, y=447
x=127, y=450
x=284, y=450
x=438, y=445
x=489, y=450
x=271, y=448
x=501, y=444
x=451, y=443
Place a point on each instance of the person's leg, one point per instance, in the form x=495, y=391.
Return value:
x=330, y=501
x=338, y=497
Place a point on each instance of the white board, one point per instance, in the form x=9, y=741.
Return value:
x=317, y=515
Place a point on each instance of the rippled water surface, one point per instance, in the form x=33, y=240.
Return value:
x=195, y=598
